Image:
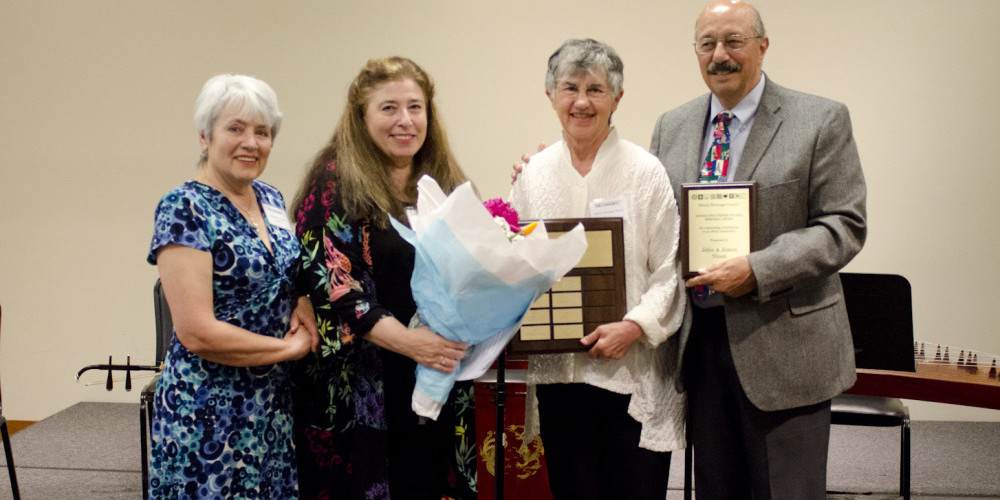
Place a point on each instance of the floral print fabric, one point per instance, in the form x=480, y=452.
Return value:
x=221, y=431
x=349, y=394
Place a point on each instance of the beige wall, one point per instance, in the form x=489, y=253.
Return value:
x=95, y=117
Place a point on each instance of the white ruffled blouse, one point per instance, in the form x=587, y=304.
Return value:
x=549, y=187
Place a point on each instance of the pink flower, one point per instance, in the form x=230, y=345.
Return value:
x=499, y=208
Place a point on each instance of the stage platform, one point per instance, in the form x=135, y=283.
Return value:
x=91, y=451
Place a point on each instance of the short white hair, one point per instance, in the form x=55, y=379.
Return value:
x=255, y=98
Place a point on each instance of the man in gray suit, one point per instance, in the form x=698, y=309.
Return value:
x=770, y=345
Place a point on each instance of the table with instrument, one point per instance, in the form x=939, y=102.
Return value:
x=942, y=376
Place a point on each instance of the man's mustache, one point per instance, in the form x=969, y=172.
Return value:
x=715, y=68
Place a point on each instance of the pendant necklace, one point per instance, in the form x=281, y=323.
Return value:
x=246, y=213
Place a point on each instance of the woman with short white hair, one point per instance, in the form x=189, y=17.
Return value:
x=609, y=417
x=227, y=258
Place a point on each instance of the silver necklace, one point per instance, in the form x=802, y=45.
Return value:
x=246, y=213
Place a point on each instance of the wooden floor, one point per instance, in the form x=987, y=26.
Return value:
x=16, y=425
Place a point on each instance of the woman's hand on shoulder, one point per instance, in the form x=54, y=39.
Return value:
x=519, y=165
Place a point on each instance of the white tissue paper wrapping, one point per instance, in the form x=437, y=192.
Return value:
x=471, y=283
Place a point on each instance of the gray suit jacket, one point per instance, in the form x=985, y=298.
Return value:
x=790, y=339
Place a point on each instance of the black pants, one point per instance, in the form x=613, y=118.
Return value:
x=592, y=446
x=740, y=451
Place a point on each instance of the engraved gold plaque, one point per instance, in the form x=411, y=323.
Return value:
x=591, y=294
x=717, y=223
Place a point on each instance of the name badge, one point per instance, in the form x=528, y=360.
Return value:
x=277, y=217
x=608, y=207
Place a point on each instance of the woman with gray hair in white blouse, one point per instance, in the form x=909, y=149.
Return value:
x=608, y=417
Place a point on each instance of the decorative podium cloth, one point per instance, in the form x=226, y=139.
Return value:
x=471, y=283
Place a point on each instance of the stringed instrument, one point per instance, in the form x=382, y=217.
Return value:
x=128, y=368
x=967, y=378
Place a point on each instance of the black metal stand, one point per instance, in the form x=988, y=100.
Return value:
x=10, y=459
x=500, y=400
x=145, y=405
x=128, y=368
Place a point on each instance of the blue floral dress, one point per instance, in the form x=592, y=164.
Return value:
x=221, y=431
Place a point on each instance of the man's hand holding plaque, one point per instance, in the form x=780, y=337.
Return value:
x=733, y=277
x=717, y=233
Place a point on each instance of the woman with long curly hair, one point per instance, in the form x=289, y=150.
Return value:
x=356, y=434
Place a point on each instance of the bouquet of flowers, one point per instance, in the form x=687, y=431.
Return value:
x=473, y=282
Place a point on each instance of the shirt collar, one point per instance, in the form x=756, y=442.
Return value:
x=746, y=108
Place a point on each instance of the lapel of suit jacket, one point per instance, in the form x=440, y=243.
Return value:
x=765, y=126
x=693, y=138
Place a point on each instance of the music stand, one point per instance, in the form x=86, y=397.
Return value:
x=595, y=295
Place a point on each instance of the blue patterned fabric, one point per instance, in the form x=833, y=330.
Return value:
x=221, y=431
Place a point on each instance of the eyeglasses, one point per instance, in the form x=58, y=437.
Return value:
x=732, y=43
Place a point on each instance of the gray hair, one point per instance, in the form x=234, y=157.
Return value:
x=254, y=97
x=583, y=56
x=758, y=23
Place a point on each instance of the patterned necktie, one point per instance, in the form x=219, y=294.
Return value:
x=716, y=165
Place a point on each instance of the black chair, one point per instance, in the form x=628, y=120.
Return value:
x=8, y=453
x=164, y=333
x=880, y=310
